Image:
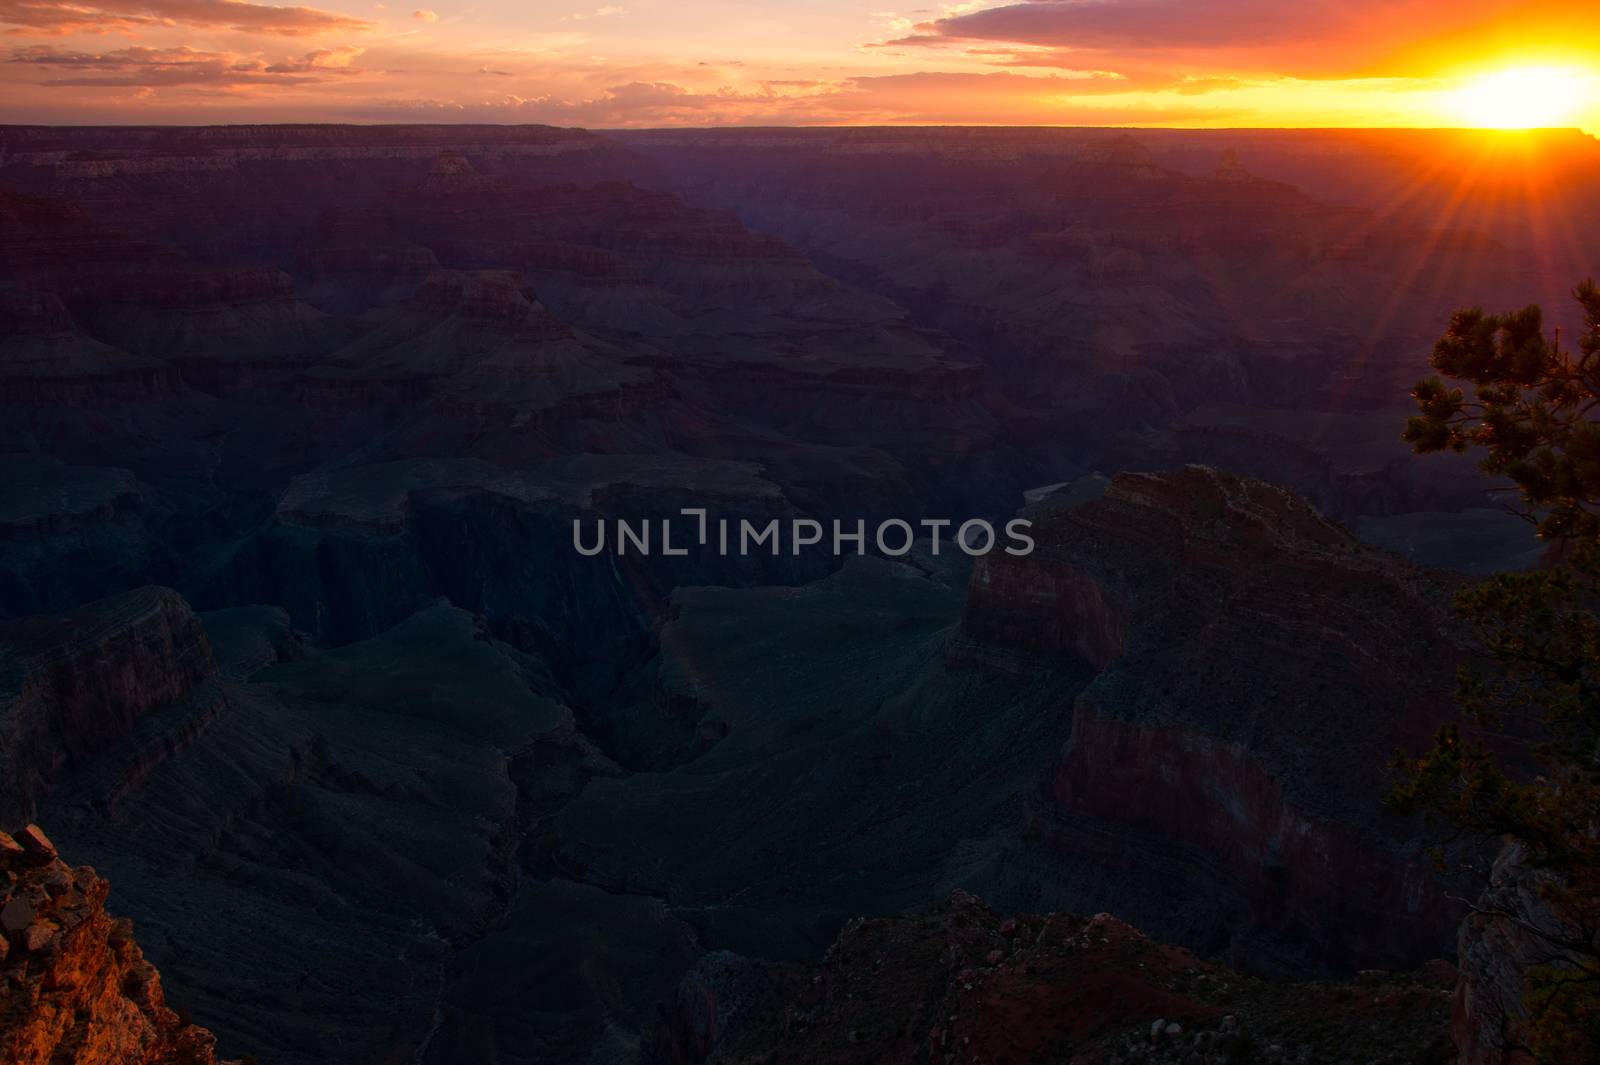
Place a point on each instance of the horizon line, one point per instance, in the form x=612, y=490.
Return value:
x=736, y=127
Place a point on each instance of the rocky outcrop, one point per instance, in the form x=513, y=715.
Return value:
x=490, y=296
x=76, y=685
x=1255, y=668
x=74, y=986
x=1041, y=607
x=963, y=984
x=452, y=174
x=1513, y=928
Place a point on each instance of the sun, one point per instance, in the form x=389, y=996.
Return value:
x=1524, y=97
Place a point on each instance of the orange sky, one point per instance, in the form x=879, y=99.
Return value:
x=712, y=62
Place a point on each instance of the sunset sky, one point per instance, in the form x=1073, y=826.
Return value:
x=714, y=62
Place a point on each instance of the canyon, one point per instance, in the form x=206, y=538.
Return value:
x=296, y=652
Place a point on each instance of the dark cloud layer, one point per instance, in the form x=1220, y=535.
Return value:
x=67, y=16
x=149, y=68
x=1135, y=24
x=1282, y=37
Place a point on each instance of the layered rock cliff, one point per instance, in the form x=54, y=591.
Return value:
x=1516, y=938
x=133, y=673
x=1255, y=667
x=74, y=986
x=357, y=814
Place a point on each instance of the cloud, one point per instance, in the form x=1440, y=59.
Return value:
x=339, y=59
x=422, y=14
x=1130, y=75
x=637, y=103
x=164, y=67
x=1315, y=37
x=72, y=16
x=1127, y=24
x=930, y=97
x=600, y=12
x=1003, y=96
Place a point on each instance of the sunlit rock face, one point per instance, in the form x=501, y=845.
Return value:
x=76, y=986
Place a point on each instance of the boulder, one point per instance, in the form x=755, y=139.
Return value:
x=16, y=915
x=37, y=844
x=39, y=936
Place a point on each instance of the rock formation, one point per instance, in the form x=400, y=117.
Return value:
x=1513, y=928
x=74, y=986
x=962, y=984
x=385, y=799
x=131, y=674
x=1182, y=703
x=1246, y=647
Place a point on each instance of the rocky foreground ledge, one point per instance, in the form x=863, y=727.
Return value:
x=74, y=987
x=958, y=984
x=963, y=984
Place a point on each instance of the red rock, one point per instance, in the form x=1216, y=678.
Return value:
x=37, y=844
x=16, y=915
x=38, y=937
x=80, y=997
